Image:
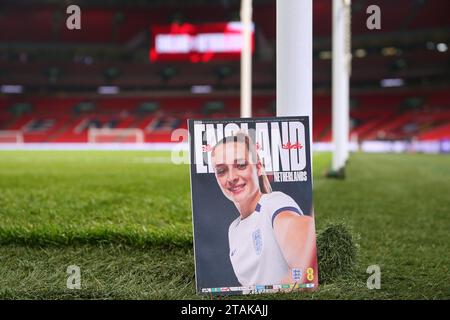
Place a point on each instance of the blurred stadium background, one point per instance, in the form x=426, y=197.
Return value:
x=57, y=83
x=125, y=216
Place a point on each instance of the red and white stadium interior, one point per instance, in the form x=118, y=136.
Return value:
x=57, y=83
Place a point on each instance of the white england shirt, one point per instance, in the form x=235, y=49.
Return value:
x=254, y=252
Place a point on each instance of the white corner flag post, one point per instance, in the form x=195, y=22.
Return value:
x=246, y=59
x=294, y=59
x=341, y=83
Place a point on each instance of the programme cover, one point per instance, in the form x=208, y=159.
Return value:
x=252, y=205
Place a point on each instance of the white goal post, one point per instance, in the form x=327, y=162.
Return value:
x=341, y=71
x=11, y=136
x=108, y=135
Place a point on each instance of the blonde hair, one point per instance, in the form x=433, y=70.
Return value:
x=264, y=184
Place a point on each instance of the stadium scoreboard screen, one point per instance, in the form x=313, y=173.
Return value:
x=197, y=43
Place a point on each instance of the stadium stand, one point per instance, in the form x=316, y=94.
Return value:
x=68, y=119
x=60, y=71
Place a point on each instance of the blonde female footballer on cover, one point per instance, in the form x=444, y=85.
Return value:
x=271, y=242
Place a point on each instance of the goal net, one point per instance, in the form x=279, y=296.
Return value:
x=11, y=136
x=107, y=135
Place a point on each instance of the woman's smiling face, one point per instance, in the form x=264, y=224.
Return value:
x=236, y=172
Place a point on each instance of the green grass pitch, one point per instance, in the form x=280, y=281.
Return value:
x=125, y=219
